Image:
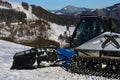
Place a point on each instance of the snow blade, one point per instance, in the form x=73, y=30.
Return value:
x=43, y=56
x=24, y=59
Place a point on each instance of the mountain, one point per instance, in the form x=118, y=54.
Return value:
x=21, y=22
x=14, y=11
x=58, y=19
x=111, y=11
x=70, y=10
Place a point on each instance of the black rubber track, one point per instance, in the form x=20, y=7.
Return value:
x=93, y=66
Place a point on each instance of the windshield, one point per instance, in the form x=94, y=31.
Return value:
x=87, y=29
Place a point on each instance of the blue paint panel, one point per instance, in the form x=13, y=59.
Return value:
x=68, y=52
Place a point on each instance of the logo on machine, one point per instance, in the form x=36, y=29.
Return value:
x=110, y=40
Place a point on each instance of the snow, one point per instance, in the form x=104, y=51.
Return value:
x=2, y=7
x=18, y=6
x=65, y=8
x=8, y=49
x=4, y=32
x=56, y=30
x=59, y=13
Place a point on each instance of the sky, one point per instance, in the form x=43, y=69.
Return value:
x=58, y=4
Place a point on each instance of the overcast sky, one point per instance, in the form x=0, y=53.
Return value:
x=58, y=4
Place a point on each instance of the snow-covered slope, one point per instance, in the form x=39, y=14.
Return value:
x=52, y=33
x=18, y=6
x=8, y=49
x=56, y=30
x=31, y=30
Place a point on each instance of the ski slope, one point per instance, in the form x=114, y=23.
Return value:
x=8, y=49
x=56, y=30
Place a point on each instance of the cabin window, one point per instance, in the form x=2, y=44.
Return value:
x=86, y=30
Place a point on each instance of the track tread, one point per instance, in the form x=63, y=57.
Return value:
x=76, y=67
